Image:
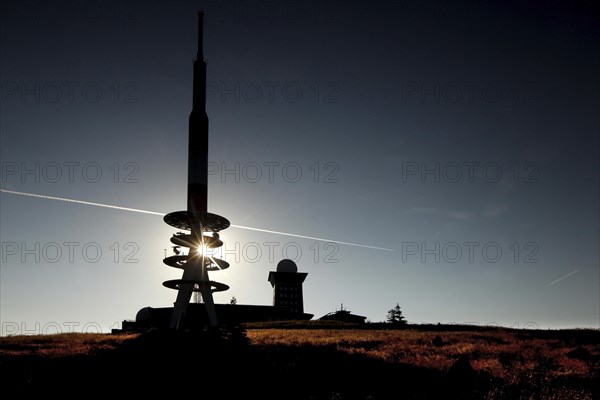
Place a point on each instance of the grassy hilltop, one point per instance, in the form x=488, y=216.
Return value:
x=310, y=362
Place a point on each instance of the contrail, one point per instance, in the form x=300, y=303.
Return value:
x=89, y=203
x=311, y=237
x=564, y=277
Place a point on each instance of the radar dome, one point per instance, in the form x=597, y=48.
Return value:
x=287, y=265
x=144, y=315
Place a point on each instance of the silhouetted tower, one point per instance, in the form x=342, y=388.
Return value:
x=287, y=286
x=198, y=262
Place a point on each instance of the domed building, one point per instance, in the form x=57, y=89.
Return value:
x=287, y=286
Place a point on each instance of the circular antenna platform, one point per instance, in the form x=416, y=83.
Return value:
x=183, y=220
x=198, y=285
x=180, y=261
x=184, y=240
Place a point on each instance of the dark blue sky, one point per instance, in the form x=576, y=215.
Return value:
x=463, y=137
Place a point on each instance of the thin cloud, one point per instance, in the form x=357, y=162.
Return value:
x=452, y=214
x=493, y=212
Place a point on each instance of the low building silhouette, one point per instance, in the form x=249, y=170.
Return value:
x=343, y=316
x=288, y=304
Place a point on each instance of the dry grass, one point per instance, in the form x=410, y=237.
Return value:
x=522, y=365
x=59, y=345
x=516, y=359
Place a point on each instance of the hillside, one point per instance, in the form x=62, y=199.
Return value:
x=341, y=363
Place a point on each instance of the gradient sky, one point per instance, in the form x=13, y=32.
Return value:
x=463, y=137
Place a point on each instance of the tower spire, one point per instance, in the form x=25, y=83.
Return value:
x=200, y=55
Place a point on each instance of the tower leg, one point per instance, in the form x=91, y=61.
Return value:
x=194, y=271
x=208, y=300
x=184, y=294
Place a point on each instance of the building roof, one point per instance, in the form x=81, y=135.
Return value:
x=344, y=316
